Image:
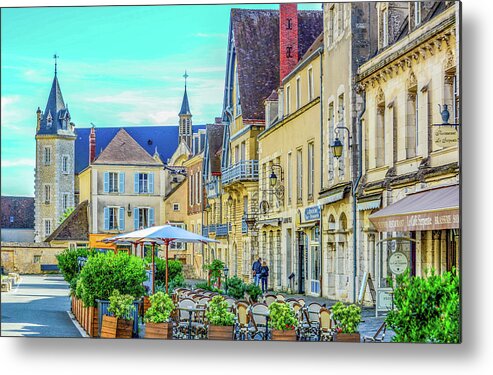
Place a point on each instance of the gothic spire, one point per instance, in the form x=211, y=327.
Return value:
x=185, y=107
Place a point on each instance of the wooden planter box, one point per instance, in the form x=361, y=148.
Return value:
x=86, y=316
x=124, y=329
x=347, y=337
x=109, y=327
x=159, y=331
x=278, y=335
x=220, y=333
x=147, y=304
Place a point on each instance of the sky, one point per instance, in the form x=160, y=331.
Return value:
x=117, y=66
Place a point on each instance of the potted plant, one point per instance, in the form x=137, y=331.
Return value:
x=157, y=317
x=283, y=322
x=347, y=319
x=221, y=320
x=122, y=307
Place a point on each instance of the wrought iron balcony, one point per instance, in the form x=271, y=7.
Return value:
x=246, y=170
x=222, y=230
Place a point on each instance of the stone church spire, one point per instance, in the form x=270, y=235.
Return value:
x=185, y=126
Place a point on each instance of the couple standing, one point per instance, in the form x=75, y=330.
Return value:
x=260, y=273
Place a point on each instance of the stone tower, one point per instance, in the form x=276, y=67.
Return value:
x=54, y=173
x=185, y=129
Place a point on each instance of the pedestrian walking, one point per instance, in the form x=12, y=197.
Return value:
x=264, y=275
x=257, y=265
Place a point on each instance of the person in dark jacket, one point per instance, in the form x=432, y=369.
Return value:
x=264, y=275
x=257, y=265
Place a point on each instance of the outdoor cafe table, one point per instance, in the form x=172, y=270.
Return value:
x=266, y=315
x=190, y=310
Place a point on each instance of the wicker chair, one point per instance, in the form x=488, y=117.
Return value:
x=325, y=331
x=243, y=328
x=269, y=298
x=259, y=312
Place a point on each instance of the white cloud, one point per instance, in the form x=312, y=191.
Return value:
x=23, y=162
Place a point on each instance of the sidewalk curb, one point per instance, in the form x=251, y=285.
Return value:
x=77, y=325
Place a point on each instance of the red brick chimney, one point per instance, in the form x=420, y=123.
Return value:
x=288, y=38
x=92, y=145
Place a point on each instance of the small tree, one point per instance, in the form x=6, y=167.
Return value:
x=65, y=214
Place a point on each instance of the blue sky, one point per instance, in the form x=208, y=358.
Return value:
x=120, y=65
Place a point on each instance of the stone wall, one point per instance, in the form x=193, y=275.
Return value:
x=27, y=257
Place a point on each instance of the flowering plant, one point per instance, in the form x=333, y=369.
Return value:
x=282, y=317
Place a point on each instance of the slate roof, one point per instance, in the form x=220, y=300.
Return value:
x=75, y=227
x=55, y=107
x=17, y=212
x=165, y=138
x=215, y=133
x=185, y=107
x=256, y=38
x=123, y=149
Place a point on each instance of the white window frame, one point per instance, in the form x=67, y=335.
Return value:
x=146, y=217
x=175, y=245
x=176, y=207
x=47, y=227
x=144, y=187
x=298, y=93
x=65, y=201
x=311, y=169
x=385, y=28
x=116, y=185
x=299, y=175
x=288, y=100
x=290, y=178
x=47, y=193
x=116, y=217
x=47, y=155
x=311, y=88
x=65, y=164
x=417, y=13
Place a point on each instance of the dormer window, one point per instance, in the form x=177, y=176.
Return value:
x=49, y=120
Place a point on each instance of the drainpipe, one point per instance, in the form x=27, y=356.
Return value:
x=355, y=188
x=320, y=237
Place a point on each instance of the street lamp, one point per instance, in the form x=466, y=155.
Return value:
x=273, y=179
x=226, y=273
x=337, y=145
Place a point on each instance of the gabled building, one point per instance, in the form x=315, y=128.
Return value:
x=261, y=45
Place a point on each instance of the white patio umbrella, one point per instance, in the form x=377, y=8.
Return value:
x=161, y=235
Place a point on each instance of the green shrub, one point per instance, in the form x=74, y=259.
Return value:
x=346, y=318
x=161, y=308
x=105, y=272
x=427, y=309
x=215, y=269
x=204, y=285
x=121, y=305
x=236, y=287
x=218, y=314
x=282, y=317
x=254, y=291
x=68, y=265
x=175, y=272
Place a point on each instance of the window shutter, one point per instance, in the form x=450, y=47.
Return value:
x=122, y=182
x=151, y=217
x=136, y=182
x=106, y=218
x=106, y=184
x=151, y=183
x=136, y=218
x=121, y=224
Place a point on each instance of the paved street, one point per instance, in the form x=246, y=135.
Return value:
x=37, y=307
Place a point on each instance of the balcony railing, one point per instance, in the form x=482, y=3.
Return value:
x=244, y=226
x=246, y=170
x=222, y=230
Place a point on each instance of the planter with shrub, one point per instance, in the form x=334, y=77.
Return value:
x=221, y=321
x=121, y=307
x=347, y=319
x=157, y=317
x=283, y=322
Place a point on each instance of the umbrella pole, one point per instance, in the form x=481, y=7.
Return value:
x=153, y=269
x=167, y=244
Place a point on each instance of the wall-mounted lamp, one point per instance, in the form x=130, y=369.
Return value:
x=337, y=146
x=129, y=210
x=230, y=201
x=275, y=182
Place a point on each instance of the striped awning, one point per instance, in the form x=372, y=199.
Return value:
x=369, y=203
x=334, y=197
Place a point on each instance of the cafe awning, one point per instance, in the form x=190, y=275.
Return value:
x=433, y=209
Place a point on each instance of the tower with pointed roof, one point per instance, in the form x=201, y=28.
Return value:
x=185, y=126
x=54, y=173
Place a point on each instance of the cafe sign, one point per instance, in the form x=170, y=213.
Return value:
x=446, y=136
x=432, y=220
x=398, y=263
